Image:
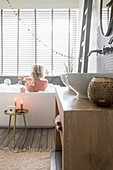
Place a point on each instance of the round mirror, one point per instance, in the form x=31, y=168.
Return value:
x=106, y=14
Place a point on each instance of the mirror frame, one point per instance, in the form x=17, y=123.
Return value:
x=110, y=23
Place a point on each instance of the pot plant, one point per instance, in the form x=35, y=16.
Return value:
x=68, y=69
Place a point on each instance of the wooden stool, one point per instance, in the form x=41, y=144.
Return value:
x=17, y=112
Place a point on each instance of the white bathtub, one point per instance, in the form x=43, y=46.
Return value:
x=41, y=106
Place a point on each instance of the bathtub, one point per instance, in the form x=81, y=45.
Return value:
x=41, y=106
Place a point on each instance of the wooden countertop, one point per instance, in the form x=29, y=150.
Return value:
x=69, y=101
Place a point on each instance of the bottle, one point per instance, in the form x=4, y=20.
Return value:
x=52, y=71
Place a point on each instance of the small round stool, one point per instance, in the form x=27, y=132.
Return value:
x=17, y=112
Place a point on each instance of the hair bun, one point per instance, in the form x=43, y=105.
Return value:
x=37, y=71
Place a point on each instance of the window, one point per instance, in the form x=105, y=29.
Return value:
x=20, y=40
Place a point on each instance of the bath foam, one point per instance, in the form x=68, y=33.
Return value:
x=16, y=88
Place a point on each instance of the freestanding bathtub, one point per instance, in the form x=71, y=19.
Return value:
x=41, y=106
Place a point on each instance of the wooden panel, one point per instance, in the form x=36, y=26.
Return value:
x=61, y=138
x=53, y=141
x=57, y=134
x=43, y=141
x=29, y=139
x=51, y=137
x=21, y=140
x=36, y=140
x=1, y=131
x=13, y=142
x=89, y=141
x=7, y=139
x=3, y=136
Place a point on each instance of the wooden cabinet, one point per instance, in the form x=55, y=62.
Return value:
x=87, y=133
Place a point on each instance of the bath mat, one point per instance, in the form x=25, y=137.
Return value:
x=25, y=149
x=26, y=160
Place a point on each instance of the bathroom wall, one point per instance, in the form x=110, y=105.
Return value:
x=104, y=62
x=99, y=63
x=51, y=79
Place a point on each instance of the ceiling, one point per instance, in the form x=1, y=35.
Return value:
x=31, y=4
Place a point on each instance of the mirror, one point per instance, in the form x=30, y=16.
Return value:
x=106, y=14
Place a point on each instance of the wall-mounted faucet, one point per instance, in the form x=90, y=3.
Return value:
x=93, y=51
x=111, y=40
x=105, y=50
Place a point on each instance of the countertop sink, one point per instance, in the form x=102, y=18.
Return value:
x=79, y=82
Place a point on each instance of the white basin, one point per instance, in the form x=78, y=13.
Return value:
x=79, y=82
x=64, y=80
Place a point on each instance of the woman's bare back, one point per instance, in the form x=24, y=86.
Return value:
x=39, y=85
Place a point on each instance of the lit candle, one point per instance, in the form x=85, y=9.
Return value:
x=15, y=102
x=21, y=105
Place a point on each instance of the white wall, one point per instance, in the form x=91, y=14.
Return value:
x=23, y=4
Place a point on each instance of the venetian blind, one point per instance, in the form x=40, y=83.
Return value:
x=58, y=29
x=104, y=19
x=0, y=45
x=43, y=25
x=26, y=41
x=60, y=39
x=9, y=42
x=74, y=38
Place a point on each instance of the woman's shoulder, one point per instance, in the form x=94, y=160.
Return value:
x=44, y=80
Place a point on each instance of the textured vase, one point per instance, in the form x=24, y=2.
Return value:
x=100, y=91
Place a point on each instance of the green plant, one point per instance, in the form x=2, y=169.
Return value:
x=68, y=69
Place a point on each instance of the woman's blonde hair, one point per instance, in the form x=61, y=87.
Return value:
x=37, y=71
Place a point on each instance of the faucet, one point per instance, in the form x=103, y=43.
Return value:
x=98, y=52
x=105, y=50
x=111, y=40
x=7, y=81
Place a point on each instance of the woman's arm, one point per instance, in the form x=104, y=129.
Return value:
x=25, y=78
x=29, y=87
x=21, y=77
x=58, y=123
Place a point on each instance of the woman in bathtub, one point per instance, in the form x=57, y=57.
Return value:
x=36, y=82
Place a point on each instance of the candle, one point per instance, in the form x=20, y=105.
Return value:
x=21, y=105
x=15, y=102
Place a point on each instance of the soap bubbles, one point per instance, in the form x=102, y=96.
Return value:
x=19, y=82
x=7, y=81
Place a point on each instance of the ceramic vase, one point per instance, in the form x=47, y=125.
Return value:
x=100, y=91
